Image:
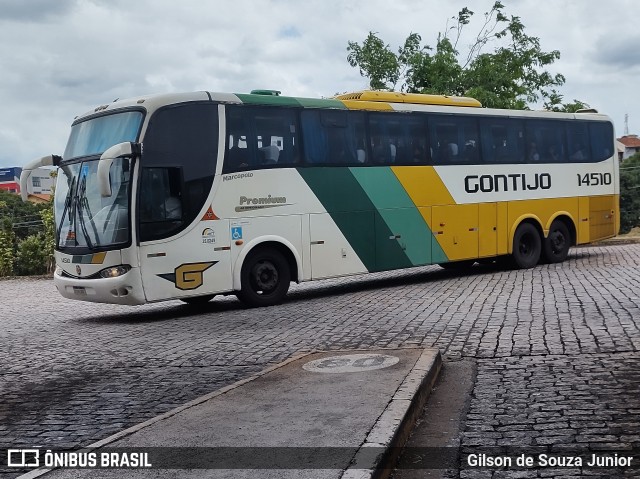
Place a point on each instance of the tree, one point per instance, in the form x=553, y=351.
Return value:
x=7, y=247
x=25, y=217
x=26, y=236
x=512, y=76
x=48, y=236
x=31, y=256
x=630, y=193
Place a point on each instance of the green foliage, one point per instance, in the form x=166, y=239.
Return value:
x=31, y=257
x=376, y=61
x=7, y=245
x=554, y=103
x=630, y=193
x=48, y=236
x=25, y=217
x=26, y=236
x=512, y=76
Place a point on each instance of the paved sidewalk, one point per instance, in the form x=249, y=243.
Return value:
x=315, y=416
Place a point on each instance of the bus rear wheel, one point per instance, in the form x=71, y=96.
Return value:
x=265, y=278
x=527, y=246
x=557, y=243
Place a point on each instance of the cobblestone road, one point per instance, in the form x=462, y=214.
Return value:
x=557, y=349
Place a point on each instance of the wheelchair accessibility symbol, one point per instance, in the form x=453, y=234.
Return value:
x=236, y=232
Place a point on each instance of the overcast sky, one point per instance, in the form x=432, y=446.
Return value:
x=60, y=58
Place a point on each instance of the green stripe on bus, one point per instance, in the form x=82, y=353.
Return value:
x=267, y=100
x=357, y=217
x=407, y=226
x=348, y=206
x=382, y=187
x=315, y=103
x=274, y=100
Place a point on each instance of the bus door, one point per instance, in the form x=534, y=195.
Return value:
x=197, y=263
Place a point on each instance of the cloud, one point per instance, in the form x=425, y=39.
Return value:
x=620, y=52
x=33, y=11
x=289, y=32
x=61, y=58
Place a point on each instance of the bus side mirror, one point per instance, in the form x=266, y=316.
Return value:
x=49, y=160
x=121, y=150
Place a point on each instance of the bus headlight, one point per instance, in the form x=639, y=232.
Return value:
x=114, y=271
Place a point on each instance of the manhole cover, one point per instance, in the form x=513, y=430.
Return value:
x=351, y=363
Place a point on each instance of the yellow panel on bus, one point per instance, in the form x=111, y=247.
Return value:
x=455, y=227
x=602, y=216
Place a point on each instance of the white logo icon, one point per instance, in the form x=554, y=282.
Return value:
x=23, y=457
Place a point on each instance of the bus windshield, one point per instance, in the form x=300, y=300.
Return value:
x=94, y=136
x=84, y=218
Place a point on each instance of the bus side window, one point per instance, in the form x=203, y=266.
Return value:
x=260, y=137
x=160, y=201
x=172, y=196
x=417, y=144
x=578, y=142
x=334, y=137
x=502, y=140
x=443, y=137
x=277, y=131
x=238, y=155
x=384, y=131
x=545, y=141
x=468, y=139
x=601, y=133
x=397, y=138
x=454, y=140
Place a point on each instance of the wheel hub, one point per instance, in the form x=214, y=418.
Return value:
x=525, y=245
x=557, y=241
x=266, y=276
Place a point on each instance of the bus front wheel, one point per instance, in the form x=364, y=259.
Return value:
x=527, y=246
x=557, y=243
x=265, y=278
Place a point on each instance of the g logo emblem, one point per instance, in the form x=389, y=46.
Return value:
x=78, y=269
x=189, y=275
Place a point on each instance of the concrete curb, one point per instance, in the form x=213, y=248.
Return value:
x=389, y=433
x=394, y=426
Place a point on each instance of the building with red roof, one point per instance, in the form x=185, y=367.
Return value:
x=631, y=145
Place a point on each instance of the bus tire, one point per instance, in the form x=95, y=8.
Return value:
x=264, y=278
x=557, y=242
x=198, y=300
x=527, y=246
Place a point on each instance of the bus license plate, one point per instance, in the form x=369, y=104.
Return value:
x=80, y=290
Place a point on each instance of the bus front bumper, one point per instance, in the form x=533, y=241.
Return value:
x=125, y=289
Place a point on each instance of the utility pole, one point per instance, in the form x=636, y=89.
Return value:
x=626, y=124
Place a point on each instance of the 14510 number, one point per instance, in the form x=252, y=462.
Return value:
x=594, y=179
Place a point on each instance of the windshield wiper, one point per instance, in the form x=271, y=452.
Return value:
x=67, y=203
x=83, y=202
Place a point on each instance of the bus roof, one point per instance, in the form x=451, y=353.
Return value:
x=415, y=98
x=364, y=100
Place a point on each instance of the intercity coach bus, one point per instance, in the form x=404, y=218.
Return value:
x=186, y=196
